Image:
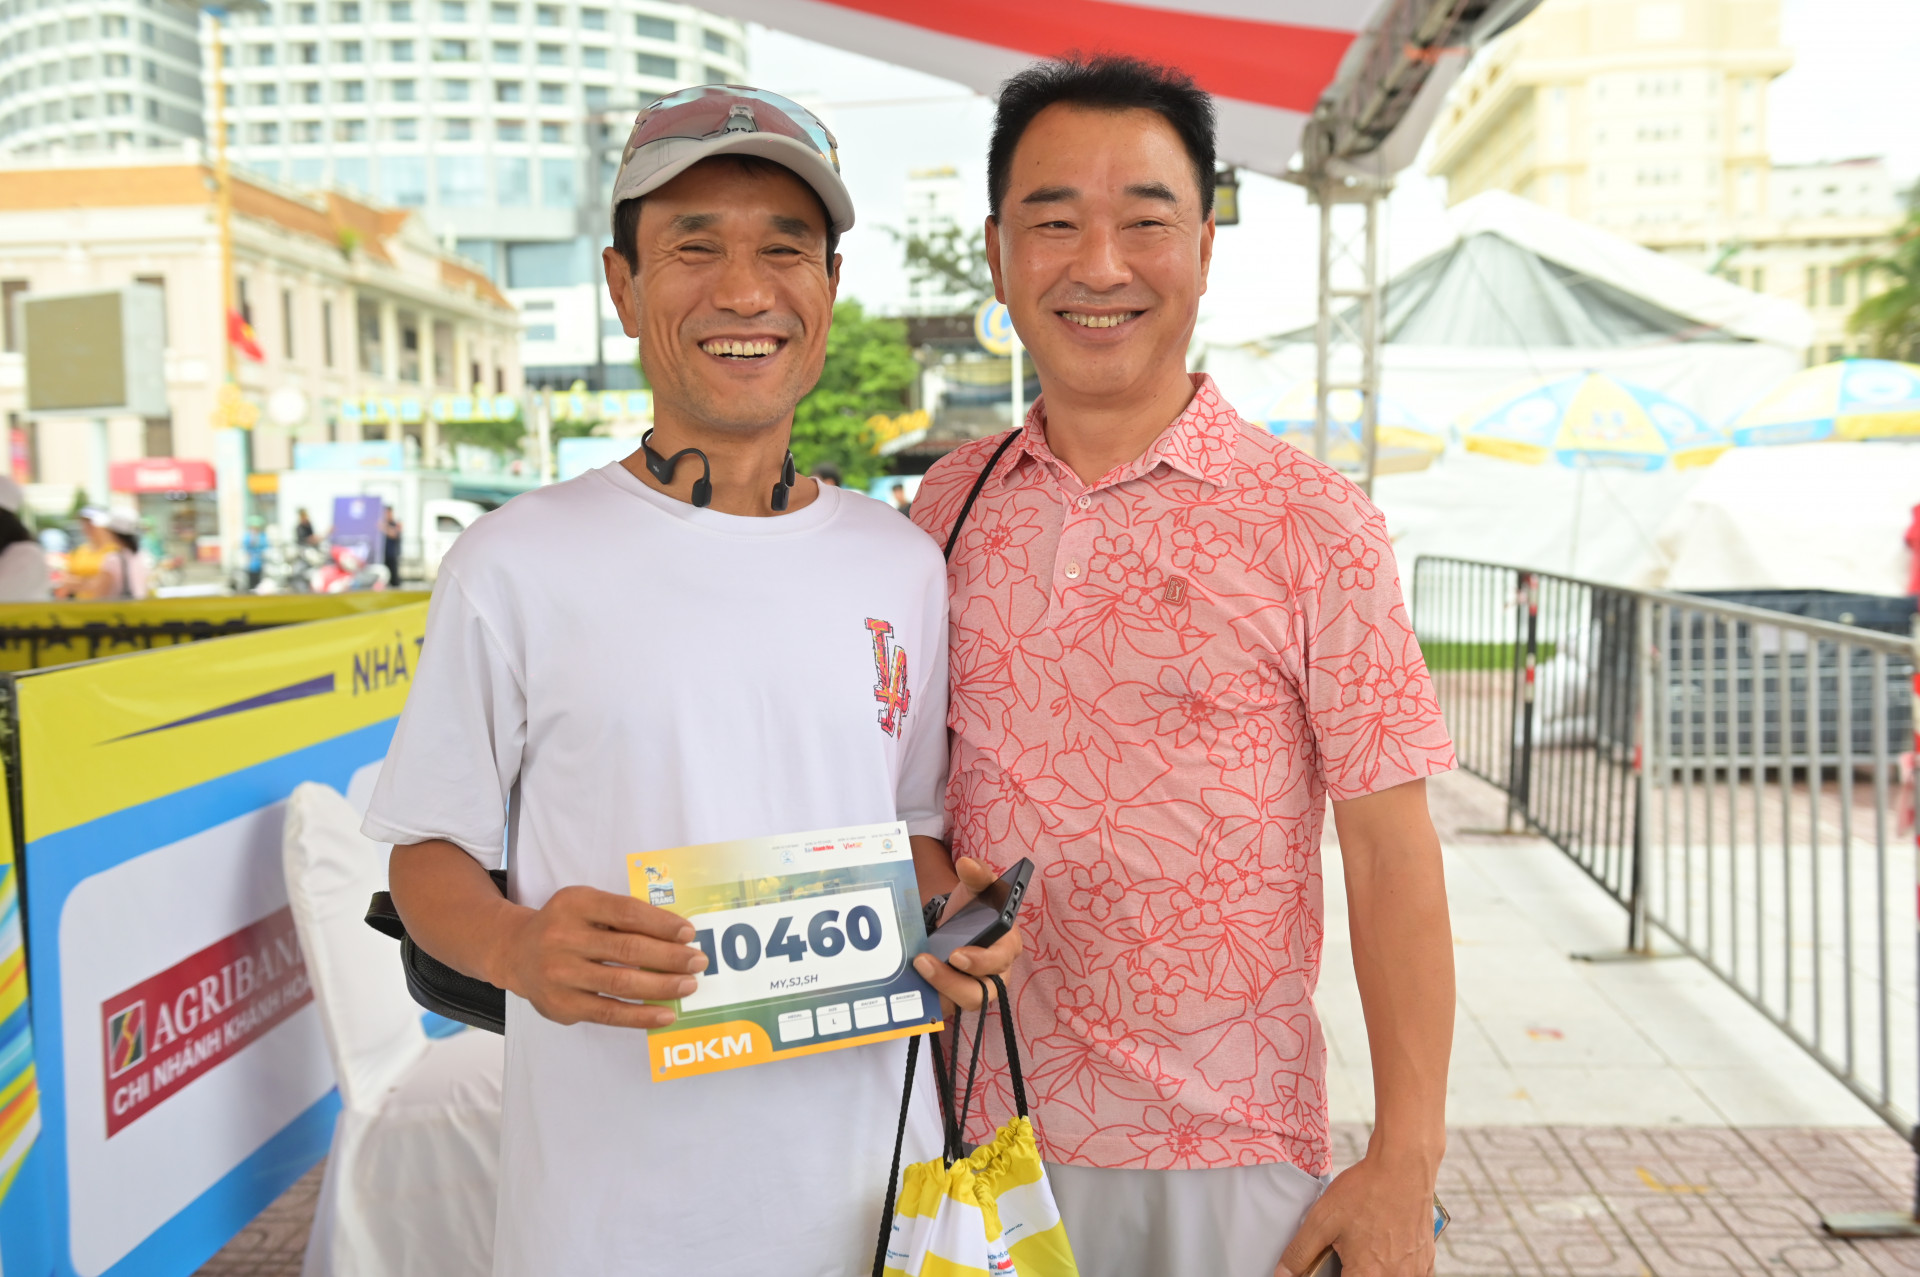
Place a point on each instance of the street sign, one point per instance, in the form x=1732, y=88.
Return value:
x=993, y=328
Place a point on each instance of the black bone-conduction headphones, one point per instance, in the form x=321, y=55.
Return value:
x=662, y=468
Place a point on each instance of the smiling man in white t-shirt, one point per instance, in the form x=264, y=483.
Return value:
x=711, y=669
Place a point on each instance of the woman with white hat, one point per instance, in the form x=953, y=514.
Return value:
x=123, y=570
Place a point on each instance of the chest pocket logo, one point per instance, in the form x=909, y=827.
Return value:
x=890, y=676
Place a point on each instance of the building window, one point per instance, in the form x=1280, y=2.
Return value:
x=351, y=51
x=457, y=130
x=266, y=94
x=593, y=19
x=347, y=12
x=593, y=58
x=714, y=74
x=510, y=178
x=596, y=95
x=263, y=55
x=372, y=361
x=400, y=11
x=456, y=90
x=158, y=436
x=656, y=28
x=1837, y=286
x=400, y=50
x=552, y=55
x=349, y=130
x=451, y=51
x=1813, y=287
x=556, y=183
x=243, y=298
x=409, y=324
x=553, y=94
x=159, y=282
x=266, y=134
x=403, y=130
x=510, y=131
x=506, y=13
x=715, y=42
x=326, y=333
x=401, y=90
x=443, y=354
x=546, y=15
x=503, y=52
x=1757, y=279
x=306, y=131
x=306, y=14
x=655, y=65
x=453, y=10
x=307, y=53
x=286, y=322
x=352, y=91
x=309, y=92
x=508, y=91
x=553, y=133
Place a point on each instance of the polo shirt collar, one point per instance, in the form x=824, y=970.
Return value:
x=1199, y=443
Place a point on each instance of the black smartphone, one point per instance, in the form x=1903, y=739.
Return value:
x=986, y=917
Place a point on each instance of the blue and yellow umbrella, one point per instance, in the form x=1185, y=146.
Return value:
x=1406, y=442
x=1847, y=399
x=1593, y=421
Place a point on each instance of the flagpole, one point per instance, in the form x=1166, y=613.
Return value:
x=233, y=453
x=223, y=192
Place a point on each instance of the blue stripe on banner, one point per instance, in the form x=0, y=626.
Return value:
x=27, y=1242
x=58, y=863
x=322, y=686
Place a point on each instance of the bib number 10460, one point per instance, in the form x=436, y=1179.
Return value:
x=801, y=946
x=741, y=949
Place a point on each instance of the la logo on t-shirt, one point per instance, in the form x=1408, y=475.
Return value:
x=890, y=676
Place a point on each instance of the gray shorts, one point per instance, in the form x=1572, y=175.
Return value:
x=1222, y=1223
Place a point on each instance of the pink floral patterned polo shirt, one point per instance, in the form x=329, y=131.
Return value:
x=1158, y=680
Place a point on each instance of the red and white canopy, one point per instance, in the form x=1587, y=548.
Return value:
x=1266, y=62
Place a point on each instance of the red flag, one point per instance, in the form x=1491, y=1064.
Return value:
x=240, y=333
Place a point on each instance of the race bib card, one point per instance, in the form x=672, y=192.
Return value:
x=809, y=940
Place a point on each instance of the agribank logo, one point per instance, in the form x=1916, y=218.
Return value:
x=178, y=1025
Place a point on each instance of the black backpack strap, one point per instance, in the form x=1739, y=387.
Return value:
x=899, y=1142
x=1013, y=1047
x=953, y=537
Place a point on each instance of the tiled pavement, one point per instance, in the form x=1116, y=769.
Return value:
x=1612, y=1119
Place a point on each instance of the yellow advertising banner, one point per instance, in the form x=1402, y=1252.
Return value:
x=36, y=635
x=178, y=1049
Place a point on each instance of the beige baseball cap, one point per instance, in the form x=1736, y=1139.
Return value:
x=676, y=132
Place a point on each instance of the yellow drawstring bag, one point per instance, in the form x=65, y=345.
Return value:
x=988, y=1212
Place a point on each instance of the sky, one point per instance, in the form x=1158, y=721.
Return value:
x=1849, y=93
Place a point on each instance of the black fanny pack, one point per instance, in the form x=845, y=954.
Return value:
x=435, y=985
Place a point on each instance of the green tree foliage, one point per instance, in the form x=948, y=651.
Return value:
x=953, y=260
x=500, y=436
x=1891, y=318
x=869, y=369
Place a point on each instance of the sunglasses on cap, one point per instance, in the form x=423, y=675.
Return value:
x=714, y=109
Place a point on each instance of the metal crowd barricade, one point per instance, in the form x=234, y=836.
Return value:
x=1737, y=778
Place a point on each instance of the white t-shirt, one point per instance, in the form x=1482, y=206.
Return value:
x=652, y=675
x=23, y=573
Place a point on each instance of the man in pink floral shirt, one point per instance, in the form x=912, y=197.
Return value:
x=1174, y=639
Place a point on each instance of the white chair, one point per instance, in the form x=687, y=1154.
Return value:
x=413, y=1174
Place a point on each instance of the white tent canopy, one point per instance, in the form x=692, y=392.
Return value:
x=1810, y=516
x=1522, y=292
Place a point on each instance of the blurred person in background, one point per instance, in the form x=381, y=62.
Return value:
x=900, y=501
x=1175, y=638
x=253, y=545
x=83, y=558
x=828, y=473
x=123, y=568
x=390, y=546
x=303, y=527
x=23, y=563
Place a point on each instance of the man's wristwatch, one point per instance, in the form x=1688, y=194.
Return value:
x=930, y=912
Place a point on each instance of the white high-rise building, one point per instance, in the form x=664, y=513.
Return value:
x=933, y=199
x=480, y=113
x=99, y=76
